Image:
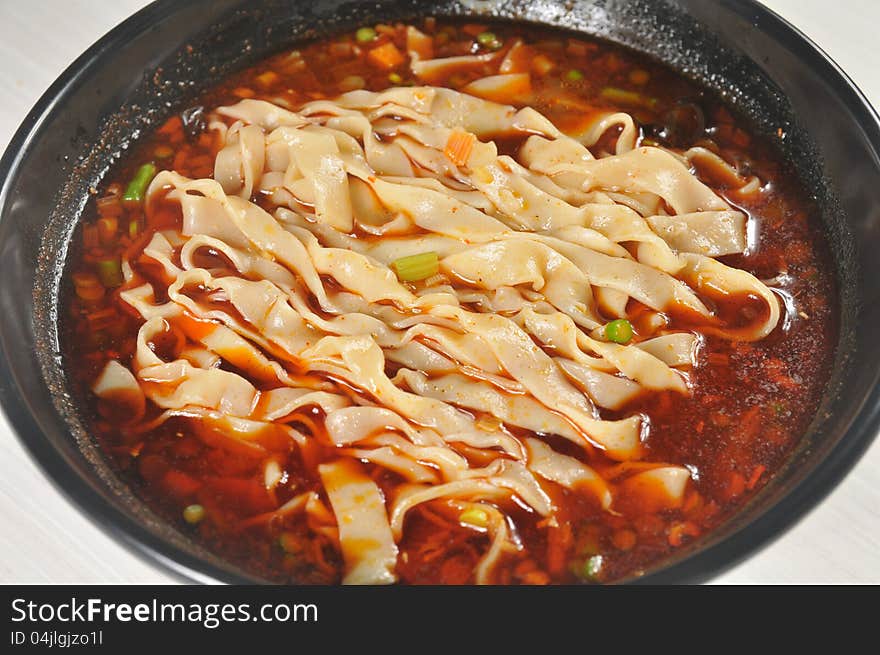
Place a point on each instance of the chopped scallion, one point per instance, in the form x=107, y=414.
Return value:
x=135, y=190
x=395, y=78
x=88, y=287
x=573, y=75
x=639, y=76
x=619, y=331
x=624, y=97
x=110, y=272
x=163, y=152
x=592, y=568
x=417, y=267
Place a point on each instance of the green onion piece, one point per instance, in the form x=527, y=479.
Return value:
x=417, y=267
x=193, y=514
x=624, y=97
x=135, y=190
x=619, y=331
x=574, y=75
x=592, y=567
x=474, y=516
x=134, y=229
x=110, y=272
x=395, y=78
x=365, y=35
x=488, y=40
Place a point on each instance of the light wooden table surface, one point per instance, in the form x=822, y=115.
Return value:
x=43, y=539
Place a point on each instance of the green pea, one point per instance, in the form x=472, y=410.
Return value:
x=619, y=331
x=193, y=514
x=365, y=35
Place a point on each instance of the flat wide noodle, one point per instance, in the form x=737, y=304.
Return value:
x=364, y=535
x=298, y=324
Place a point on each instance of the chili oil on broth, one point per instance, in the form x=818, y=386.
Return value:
x=749, y=402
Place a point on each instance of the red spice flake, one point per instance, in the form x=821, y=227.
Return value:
x=624, y=539
x=750, y=424
x=720, y=419
x=90, y=237
x=206, y=140
x=387, y=30
x=473, y=29
x=180, y=159
x=172, y=126
x=152, y=467
x=679, y=531
x=102, y=319
x=456, y=570
x=187, y=447
x=342, y=50
x=736, y=485
x=109, y=205
x=179, y=484
x=613, y=63
x=740, y=138
x=692, y=502
x=649, y=525
x=776, y=371
x=579, y=48
x=722, y=115
x=756, y=476
x=559, y=543
x=528, y=573
x=718, y=359
x=797, y=252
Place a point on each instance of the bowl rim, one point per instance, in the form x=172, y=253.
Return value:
x=710, y=561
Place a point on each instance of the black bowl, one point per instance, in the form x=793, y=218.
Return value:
x=159, y=59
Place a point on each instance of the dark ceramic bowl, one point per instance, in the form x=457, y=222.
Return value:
x=157, y=60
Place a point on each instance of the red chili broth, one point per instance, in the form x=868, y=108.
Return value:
x=751, y=402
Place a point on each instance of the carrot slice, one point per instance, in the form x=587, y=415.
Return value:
x=459, y=147
x=386, y=56
x=180, y=484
